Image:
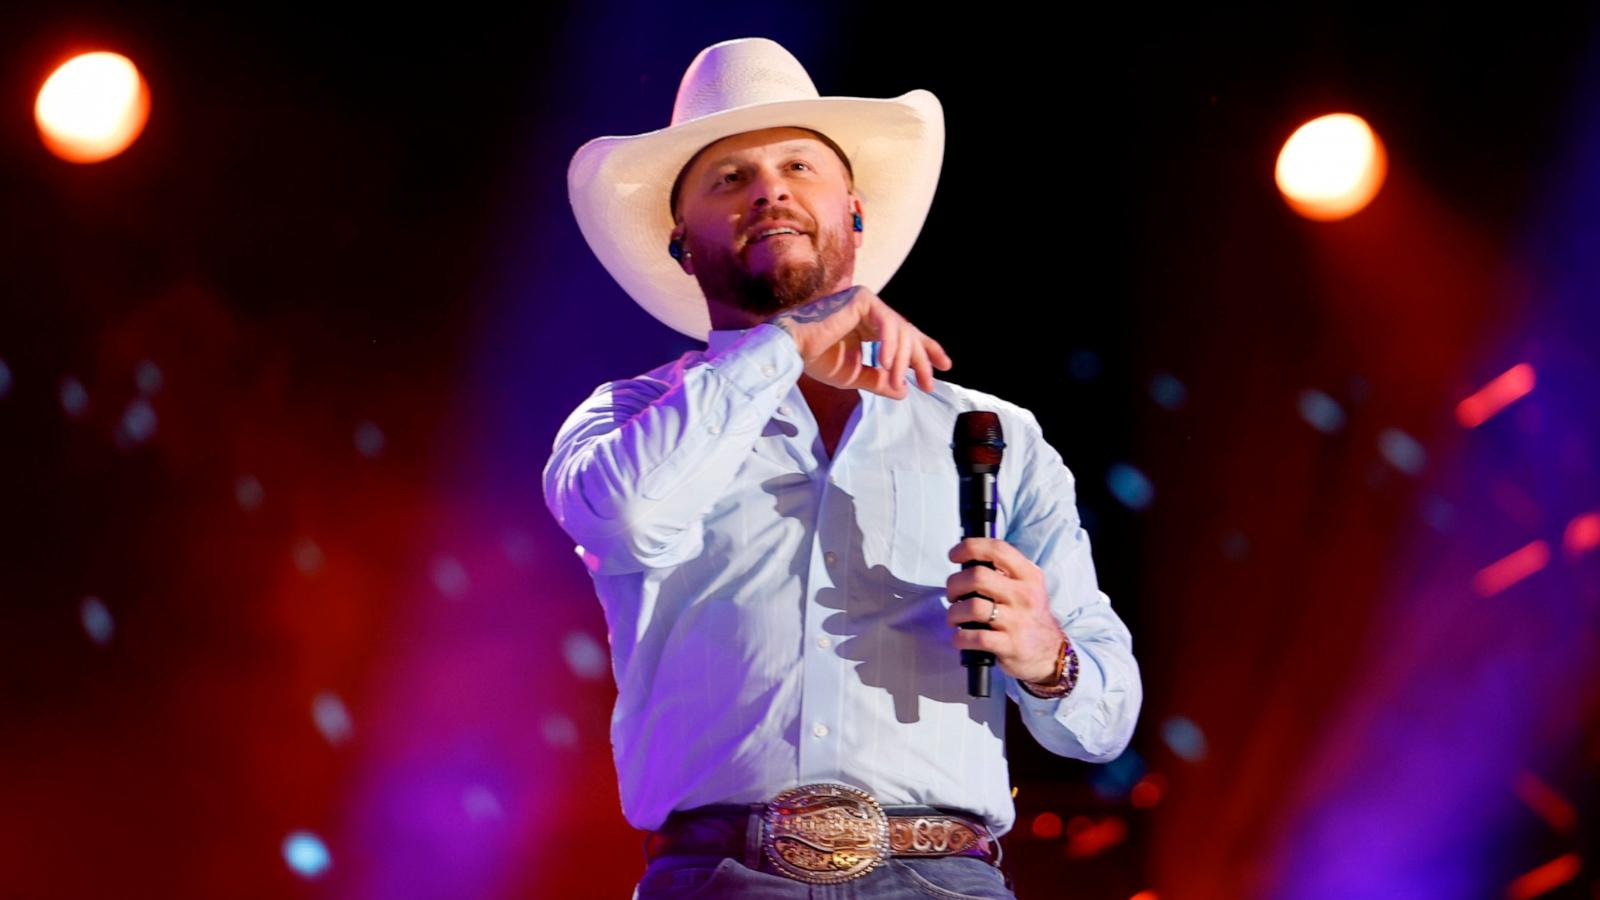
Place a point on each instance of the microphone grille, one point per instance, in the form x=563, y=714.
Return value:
x=978, y=439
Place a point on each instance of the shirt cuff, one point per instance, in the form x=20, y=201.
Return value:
x=763, y=358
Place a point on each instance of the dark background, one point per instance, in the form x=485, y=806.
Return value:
x=342, y=225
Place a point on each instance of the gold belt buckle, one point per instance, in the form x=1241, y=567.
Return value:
x=825, y=833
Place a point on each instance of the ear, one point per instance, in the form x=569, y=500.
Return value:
x=686, y=261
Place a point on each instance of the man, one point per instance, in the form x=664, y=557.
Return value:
x=772, y=525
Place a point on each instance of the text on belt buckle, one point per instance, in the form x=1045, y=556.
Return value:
x=825, y=833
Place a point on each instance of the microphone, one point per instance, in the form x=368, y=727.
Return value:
x=978, y=446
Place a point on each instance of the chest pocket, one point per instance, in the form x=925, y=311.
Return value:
x=927, y=524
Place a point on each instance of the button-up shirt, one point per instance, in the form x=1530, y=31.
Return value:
x=777, y=616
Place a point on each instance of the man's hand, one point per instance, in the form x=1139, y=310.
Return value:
x=829, y=332
x=1024, y=635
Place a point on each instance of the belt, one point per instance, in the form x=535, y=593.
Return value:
x=825, y=833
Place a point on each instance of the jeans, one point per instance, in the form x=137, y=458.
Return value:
x=897, y=878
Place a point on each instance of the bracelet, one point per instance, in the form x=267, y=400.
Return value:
x=1063, y=680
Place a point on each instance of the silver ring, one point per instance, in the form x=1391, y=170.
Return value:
x=994, y=613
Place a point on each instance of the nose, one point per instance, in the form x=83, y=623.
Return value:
x=768, y=186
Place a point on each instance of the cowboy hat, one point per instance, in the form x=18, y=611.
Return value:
x=619, y=186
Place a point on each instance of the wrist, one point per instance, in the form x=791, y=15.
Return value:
x=1064, y=677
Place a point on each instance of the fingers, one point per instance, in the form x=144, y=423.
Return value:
x=920, y=363
x=994, y=550
x=980, y=609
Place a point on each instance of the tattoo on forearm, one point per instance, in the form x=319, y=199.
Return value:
x=815, y=311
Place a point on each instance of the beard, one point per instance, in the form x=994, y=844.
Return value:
x=725, y=280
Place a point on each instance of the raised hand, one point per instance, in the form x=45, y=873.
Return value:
x=829, y=332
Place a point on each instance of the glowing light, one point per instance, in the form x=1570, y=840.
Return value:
x=449, y=577
x=1097, y=838
x=1402, y=451
x=247, y=493
x=1167, y=391
x=74, y=397
x=584, y=655
x=1321, y=411
x=1144, y=895
x=1439, y=514
x=369, y=440
x=5, y=380
x=138, y=423
x=332, y=718
x=480, y=804
x=1582, y=535
x=308, y=557
x=1046, y=826
x=1149, y=791
x=1508, y=387
x=1556, y=810
x=1545, y=878
x=559, y=731
x=147, y=376
x=1184, y=738
x=306, y=854
x=1130, y=486
x=1510, y=569
x=96, y=619
x=1331, y=167
x=92, y=107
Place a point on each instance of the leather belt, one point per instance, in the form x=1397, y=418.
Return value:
x=825, y=833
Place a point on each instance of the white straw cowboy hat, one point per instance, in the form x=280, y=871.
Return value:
x=619, y=186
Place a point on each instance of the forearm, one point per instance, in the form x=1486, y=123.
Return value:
x=637, y=465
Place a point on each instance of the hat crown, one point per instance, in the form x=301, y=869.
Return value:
x=741, y=72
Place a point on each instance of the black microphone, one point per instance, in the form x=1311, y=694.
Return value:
x=978, y=445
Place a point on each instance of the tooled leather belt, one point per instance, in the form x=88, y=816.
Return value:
x=825, y=833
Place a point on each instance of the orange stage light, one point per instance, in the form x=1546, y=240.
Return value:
x=1331, y=167
x=92, y=107
x=1511, y=385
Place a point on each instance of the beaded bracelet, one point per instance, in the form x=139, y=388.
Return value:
x=1064, y=679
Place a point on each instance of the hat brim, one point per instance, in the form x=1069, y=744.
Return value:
x=619, y=189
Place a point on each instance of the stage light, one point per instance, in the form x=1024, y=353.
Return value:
x=584, y=656
x=449, y=577
x=331, y=717
x=1046, y=826
x=1513, y=384
x=305, y=853
x=1582, y=535
x=92, y=107
x=1130, y=486
x=1331, y=167
x=1321, y=411
x=97, y=621
x=1511, y=568
x=247, y=491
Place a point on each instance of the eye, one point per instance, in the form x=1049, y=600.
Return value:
x=804, y=166
x=728, y=177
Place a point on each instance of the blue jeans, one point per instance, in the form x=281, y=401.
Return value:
x=898, y=878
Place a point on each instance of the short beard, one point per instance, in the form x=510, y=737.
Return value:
x=728, y=283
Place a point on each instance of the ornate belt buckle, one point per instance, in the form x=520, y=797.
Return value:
x=825, y=833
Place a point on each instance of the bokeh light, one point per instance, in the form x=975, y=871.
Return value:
x=92, y=107
x=1331, y=167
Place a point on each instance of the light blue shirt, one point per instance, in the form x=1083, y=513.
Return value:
x=778, y=617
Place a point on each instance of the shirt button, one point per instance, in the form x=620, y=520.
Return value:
x=768, y=371
x=714, y=429
x=820, y=730
x=831, y=557
x=824, y=643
